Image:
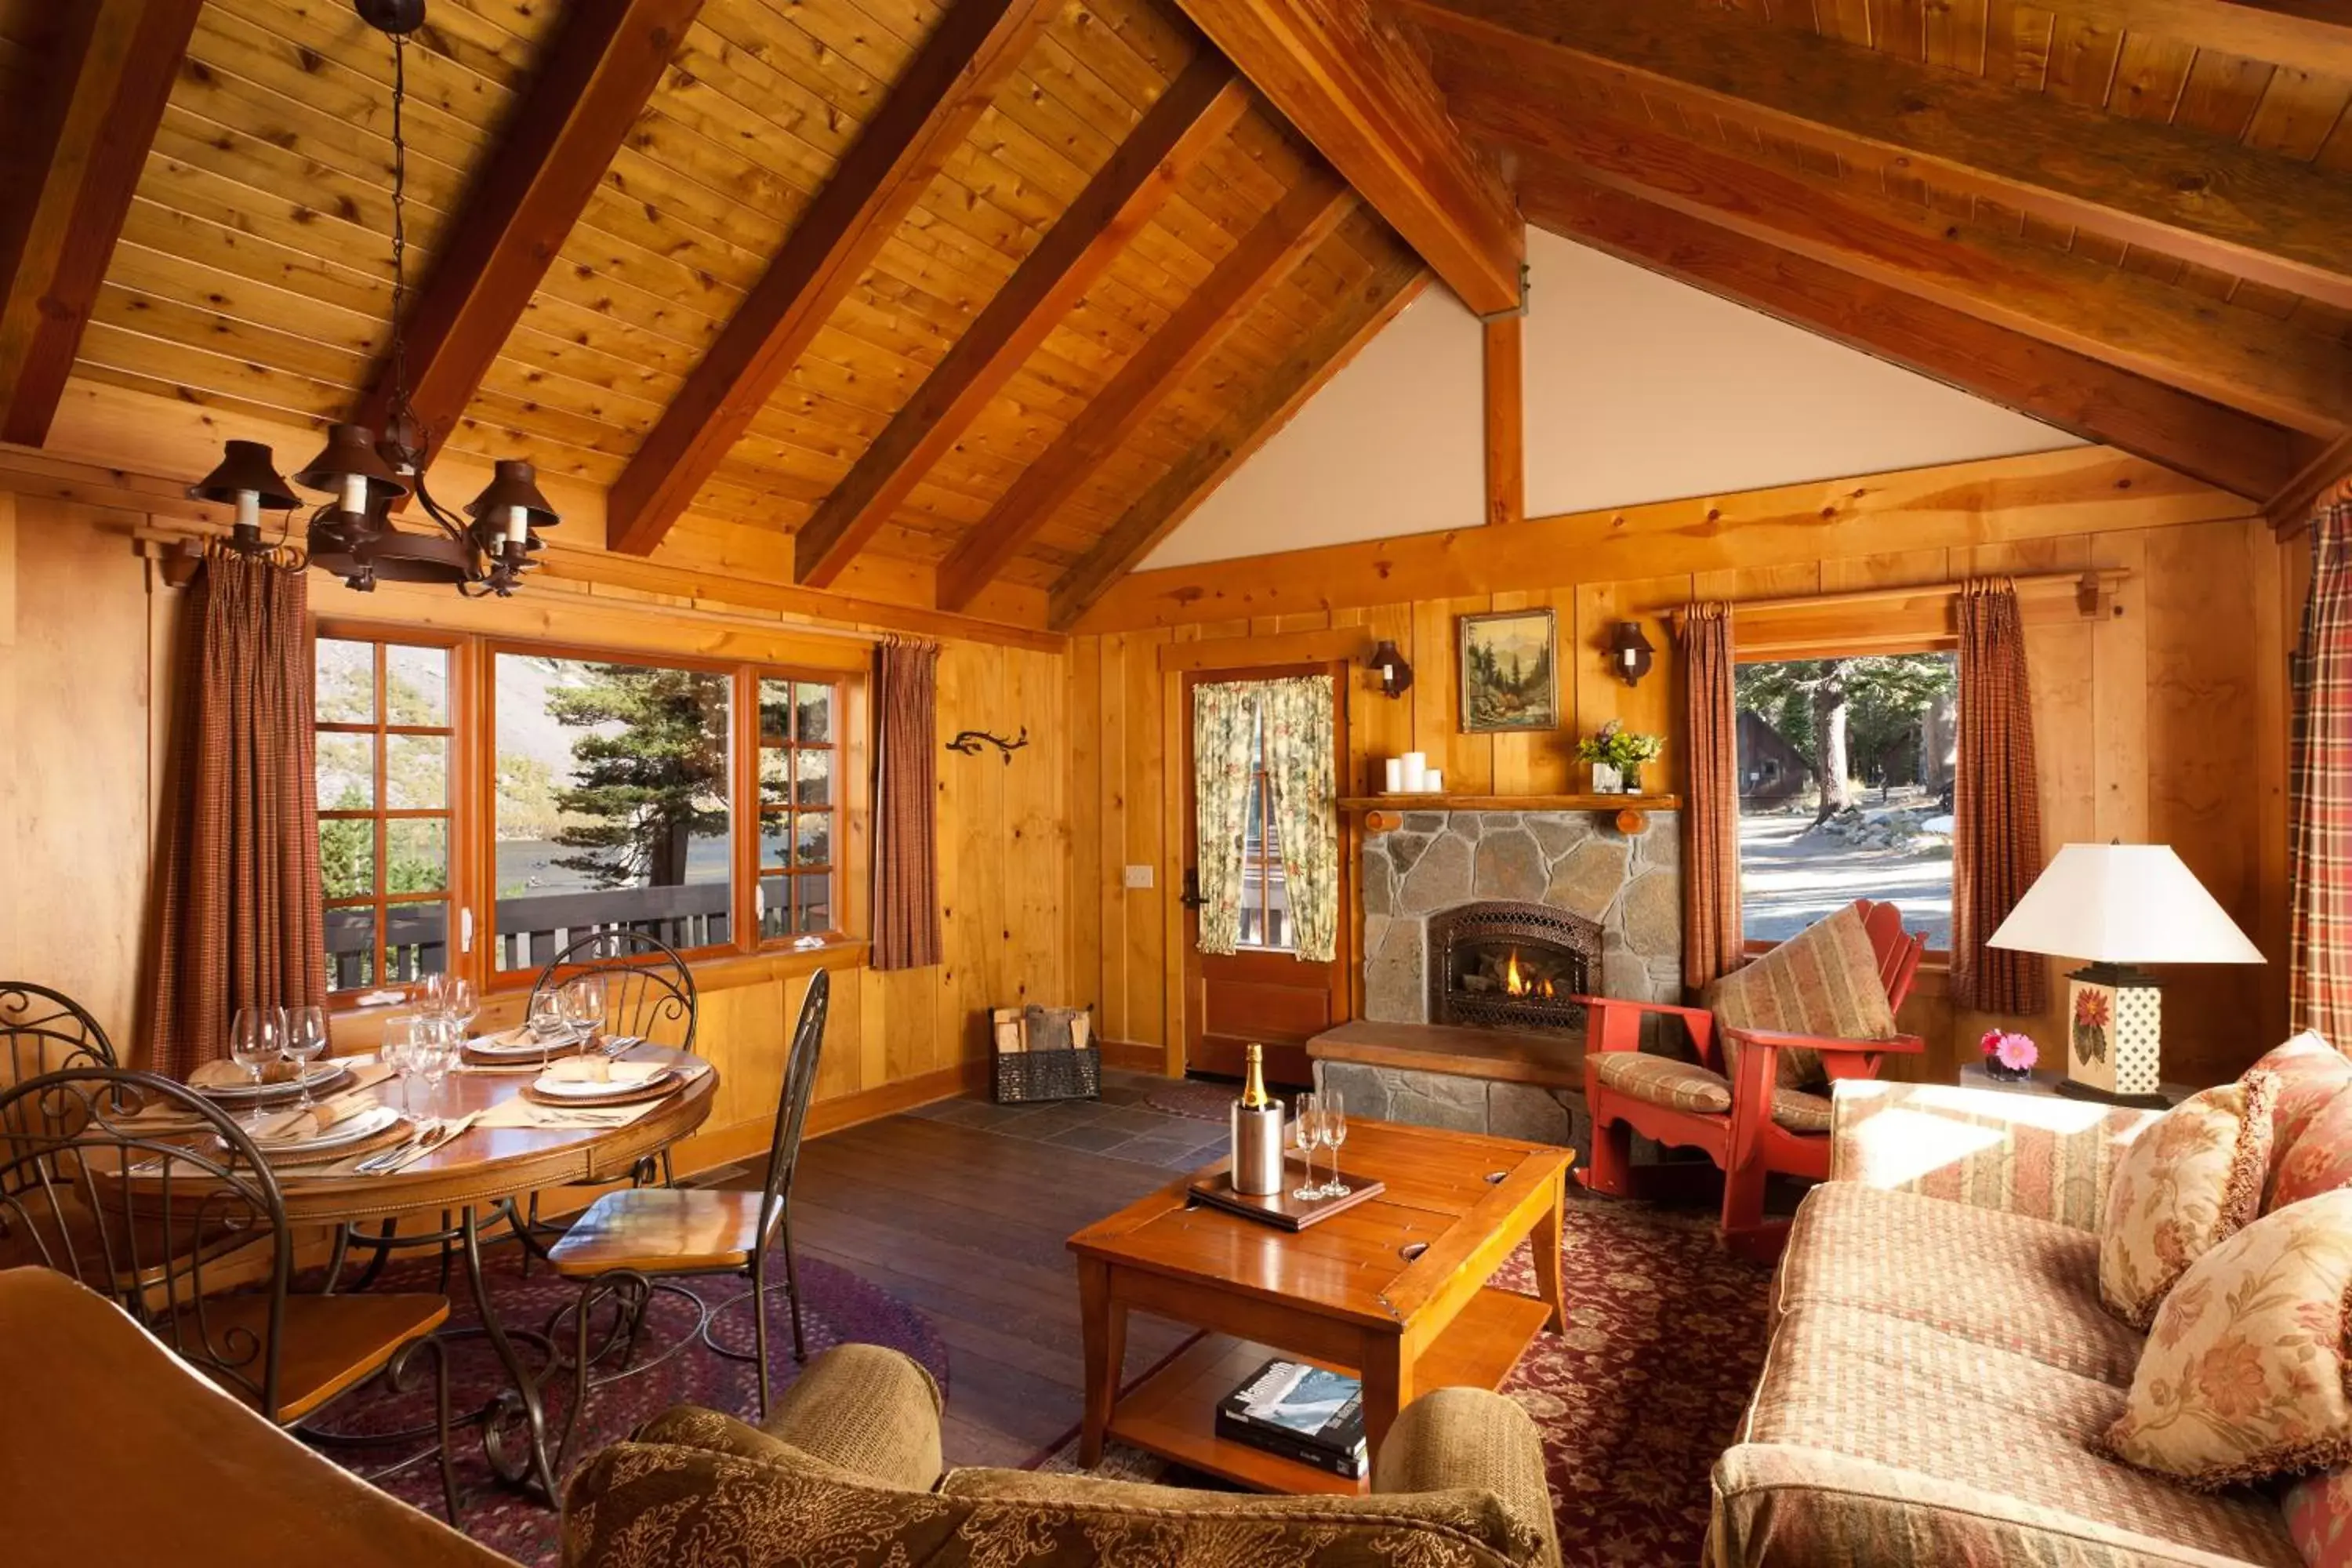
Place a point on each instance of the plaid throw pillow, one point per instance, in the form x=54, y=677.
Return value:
x=1823, y=981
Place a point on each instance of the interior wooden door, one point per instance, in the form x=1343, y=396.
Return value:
x=1263, y=993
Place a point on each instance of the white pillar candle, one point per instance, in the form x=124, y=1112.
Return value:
x=1416, y=772
x=1395, y=767
x=1433, y=780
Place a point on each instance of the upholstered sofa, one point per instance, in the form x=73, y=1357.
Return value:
x=1940, y=1363
x=115, y=1453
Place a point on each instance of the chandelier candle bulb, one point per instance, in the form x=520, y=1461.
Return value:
x=518, y=524
x=355, y=492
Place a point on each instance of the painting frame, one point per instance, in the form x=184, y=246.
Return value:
x=1490, y=706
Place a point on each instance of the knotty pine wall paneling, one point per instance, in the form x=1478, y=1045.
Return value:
x=88, y=657
x=2162, y=719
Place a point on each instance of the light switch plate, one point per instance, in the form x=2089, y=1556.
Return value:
x=1139, y=875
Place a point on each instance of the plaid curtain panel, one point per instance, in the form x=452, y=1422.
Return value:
x=1711, y=934
x=906, y=790
x=1997, y=848
x=2320, y=850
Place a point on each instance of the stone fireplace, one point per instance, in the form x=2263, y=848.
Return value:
x=1498, y=964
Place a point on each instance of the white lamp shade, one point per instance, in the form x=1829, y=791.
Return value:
x=2124, y=903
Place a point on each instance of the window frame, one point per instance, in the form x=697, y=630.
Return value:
x=457, y=892
x=472, y=810
x=1860, y=645
x=750, y=863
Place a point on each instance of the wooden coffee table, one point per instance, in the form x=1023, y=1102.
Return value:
x=1393, y=1290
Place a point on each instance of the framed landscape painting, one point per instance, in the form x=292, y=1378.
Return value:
x=1508, y=679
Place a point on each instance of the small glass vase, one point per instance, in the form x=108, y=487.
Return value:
x=1607, y=780
x=1995, y=1070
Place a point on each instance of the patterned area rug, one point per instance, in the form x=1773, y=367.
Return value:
x=1200, y=1102
x=672, y=1366
x=1665, y=1342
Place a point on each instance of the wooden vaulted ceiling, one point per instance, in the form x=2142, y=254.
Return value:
x=983, y=296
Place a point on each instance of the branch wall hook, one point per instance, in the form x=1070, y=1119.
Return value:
x=969, y=743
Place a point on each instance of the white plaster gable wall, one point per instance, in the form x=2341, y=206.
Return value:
x=1638, y=389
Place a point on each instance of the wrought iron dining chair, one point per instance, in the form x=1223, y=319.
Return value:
x=143, y=1191
x=628, y=1237
x=43, y=1030
x=648, y=990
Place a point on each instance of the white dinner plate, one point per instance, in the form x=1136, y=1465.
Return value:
x=590, y=1089
x=320, y=1076
x=516, y=1050
x=351, y=1129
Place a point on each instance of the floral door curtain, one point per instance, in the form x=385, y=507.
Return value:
x=1296, y=716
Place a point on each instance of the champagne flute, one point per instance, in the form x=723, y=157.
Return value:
x=549, y=1018
x=305, y=1042
x=257, y=1038
x=1332, y=1124
x=1305, y=1129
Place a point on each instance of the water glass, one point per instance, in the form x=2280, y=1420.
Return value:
x=305, y=1042
x=257, y=1038
x=1332, y=1131
x=1305, y=1130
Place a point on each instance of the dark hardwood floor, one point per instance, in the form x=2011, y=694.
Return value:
x=962, y=1209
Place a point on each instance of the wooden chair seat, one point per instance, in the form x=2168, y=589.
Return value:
x=661, y=1230
x=331, y=1342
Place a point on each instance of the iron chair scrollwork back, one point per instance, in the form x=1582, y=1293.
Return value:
x=44, y=1031
x=614, y=1249
x=648, y=989
x=143, y=1191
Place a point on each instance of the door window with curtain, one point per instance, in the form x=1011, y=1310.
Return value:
x=1266, y=795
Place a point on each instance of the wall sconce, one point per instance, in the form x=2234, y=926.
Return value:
x=1629, y=652
x=1395, y=672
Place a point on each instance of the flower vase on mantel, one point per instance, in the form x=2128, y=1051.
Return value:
x=1607, y=780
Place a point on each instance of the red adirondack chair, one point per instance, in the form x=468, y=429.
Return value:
x=1754, y=1136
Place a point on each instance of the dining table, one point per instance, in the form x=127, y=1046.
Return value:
x=474, y=1179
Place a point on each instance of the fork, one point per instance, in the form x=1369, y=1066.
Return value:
x=427, y=1132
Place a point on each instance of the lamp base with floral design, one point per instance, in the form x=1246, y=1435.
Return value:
x=2115, y=1016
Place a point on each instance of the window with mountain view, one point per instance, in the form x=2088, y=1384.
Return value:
x=1846, y=770
x=613, y=784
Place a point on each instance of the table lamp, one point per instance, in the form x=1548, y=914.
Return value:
x=2119, y=906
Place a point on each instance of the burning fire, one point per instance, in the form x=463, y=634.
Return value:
x=1517, y=984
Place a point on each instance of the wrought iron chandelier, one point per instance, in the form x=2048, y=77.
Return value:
x=353, y=535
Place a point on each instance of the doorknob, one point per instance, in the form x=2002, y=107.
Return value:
x=1190, y=896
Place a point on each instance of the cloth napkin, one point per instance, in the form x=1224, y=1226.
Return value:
x=603, y=1069
x=298, y=1126
x=521, y=1112
x=228, y=1075
x=520, y=1035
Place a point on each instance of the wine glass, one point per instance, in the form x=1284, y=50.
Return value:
x=461, y=1006
x=433, y=994
x=1332, y=1130
x=305, y=1042
x=257, y=1038
x=400, y=1050
x=434, y=1051
x=585, y=997
x=550, y=1016
x=1306, y=1124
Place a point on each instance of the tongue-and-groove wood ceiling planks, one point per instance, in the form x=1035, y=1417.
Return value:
x=869, y=269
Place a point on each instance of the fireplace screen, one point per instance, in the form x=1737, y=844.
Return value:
x=1510, y=965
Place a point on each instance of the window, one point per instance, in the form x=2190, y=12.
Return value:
x=1847, y=767
x=483, y=804
x=385, y=752
x=797, y=821
x=1266, y=902
x=611, y=804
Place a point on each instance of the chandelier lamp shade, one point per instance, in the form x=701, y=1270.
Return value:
x=2120, y=906
x=354, y=534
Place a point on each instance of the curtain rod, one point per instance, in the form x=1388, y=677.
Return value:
x=2090, y=583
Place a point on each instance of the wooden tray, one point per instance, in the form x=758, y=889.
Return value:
x=1280, y=1209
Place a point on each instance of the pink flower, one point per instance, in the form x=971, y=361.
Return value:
x=2015, y=1051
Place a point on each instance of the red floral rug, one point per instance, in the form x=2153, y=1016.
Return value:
x=1665, y=1339
x=673, y=1367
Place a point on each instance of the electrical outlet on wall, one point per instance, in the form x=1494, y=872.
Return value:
x=1139, y=876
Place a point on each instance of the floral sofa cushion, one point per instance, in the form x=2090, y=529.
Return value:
x=1823, y=981
x=1876, y=1440
x=2245, y=1372
x=2312, y=1076
x=2026, y=1285
x=2183, y=1187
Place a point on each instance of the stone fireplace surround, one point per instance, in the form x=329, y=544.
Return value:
x=1577, y=862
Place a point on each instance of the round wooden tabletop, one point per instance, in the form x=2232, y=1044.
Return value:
x=484, y=1163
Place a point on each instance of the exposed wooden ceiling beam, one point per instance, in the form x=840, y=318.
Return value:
x=2290, y=508
x=2186, y=193
x=68, y=178
x=2281, y=371
x=1357, y=89
x=1265, y=255
x=1195, y=113
x=1373, y=304
x=560, y=137
x=901, y=149
x=2203, y=439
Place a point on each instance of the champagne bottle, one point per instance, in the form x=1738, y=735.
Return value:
x=1257, y=1133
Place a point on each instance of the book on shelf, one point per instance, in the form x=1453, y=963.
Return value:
x=1301, y=1412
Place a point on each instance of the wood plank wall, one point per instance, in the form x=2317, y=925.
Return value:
x=86, y=641
x=2163, y=720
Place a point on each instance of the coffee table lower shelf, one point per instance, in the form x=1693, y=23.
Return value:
x=1172, y=1412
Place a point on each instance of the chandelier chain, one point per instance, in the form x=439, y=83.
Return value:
x=399, y=224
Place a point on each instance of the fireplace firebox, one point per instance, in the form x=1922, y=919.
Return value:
x=1504, y=965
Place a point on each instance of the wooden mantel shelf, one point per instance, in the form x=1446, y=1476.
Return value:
x=1385, y=812
x=1359, y=802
